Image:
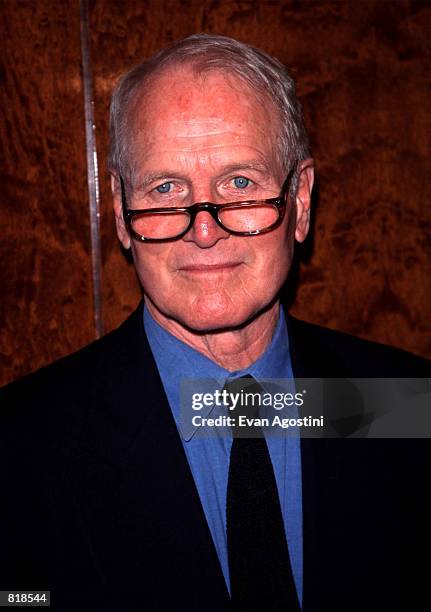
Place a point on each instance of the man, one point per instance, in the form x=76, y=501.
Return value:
x=111, y=501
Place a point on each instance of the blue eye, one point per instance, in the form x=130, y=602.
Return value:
x=241, y=182
x=164, y=188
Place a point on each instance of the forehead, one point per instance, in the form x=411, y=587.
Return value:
x=183, y=111
x=187, y=96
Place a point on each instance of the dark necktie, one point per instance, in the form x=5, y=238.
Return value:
x=259, y=565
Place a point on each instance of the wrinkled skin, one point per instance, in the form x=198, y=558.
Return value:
x=215, y=291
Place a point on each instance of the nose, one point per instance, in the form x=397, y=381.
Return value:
x=205, y=232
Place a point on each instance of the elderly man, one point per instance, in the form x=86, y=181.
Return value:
x=111, y=501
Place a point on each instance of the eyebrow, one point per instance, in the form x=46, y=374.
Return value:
x=153, y=177
x=257, y=165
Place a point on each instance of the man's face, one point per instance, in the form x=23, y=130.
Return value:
x=208, y=140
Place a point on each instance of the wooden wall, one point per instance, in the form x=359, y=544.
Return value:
x=45, y=281
x=363, y=74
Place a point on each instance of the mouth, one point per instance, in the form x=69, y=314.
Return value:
x=209, y=268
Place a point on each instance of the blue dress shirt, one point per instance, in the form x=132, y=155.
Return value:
x=208, y=455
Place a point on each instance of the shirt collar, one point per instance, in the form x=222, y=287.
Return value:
x=177, y=361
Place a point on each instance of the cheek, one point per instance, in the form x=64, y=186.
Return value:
x=273, y=259
x=151, y=264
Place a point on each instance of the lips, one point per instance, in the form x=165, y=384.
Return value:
x=216, y=267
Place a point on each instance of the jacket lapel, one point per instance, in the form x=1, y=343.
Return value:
x=346, y=482
x=134, y=479
x=320, y=461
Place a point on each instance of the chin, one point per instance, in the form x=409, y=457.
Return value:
x=215, y=320
x=214, y=325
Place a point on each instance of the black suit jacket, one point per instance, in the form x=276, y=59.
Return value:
x=98, y=503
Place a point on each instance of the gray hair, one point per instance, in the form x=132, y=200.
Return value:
x=263, y=74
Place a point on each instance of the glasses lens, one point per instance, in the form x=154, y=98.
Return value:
x=249, y=218
x=160, y=225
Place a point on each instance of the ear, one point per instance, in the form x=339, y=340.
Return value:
x=303, y=199
x=122, y=233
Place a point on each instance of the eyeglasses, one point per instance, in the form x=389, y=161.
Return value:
x=248, y=218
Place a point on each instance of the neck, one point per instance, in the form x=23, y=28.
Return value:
x=232, y=349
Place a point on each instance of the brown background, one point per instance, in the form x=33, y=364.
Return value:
x=363, y=74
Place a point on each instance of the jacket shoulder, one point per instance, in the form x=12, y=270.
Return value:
x=67, y=384
x=321, y=352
